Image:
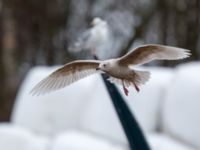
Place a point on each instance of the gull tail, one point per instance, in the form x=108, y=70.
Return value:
x=141, y=77
x=136, y=79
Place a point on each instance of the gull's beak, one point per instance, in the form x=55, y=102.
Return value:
x=97, y=68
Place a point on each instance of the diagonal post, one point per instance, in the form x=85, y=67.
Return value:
x=133, y=132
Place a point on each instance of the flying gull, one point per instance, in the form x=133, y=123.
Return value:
x=118, y=69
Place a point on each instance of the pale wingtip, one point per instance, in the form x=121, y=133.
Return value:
x=34, y=93
x=179, y=53
x=186, y=54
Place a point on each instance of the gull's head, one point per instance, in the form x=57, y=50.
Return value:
x=97, y=21
x=104, y=66
x=107, y=65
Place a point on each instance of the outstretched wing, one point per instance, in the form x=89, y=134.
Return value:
x=65, y=75
x=147, y=53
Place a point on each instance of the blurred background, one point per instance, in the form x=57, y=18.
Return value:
x=53, y=32
x=41, y=32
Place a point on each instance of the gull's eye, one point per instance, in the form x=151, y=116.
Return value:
x=104, y=65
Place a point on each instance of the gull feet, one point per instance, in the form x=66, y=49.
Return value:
x=136, y=87
x=125, y=89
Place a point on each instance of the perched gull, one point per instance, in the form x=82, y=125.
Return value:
x=94, y=37
x=118, y=69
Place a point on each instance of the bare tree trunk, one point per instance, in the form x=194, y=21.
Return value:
x=8, y=65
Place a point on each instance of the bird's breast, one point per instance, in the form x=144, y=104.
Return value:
x=119, y=72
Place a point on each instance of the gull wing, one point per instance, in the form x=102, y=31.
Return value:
x=65, y=75
x=147, y=53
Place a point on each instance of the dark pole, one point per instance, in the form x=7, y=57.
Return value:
x=134, y=134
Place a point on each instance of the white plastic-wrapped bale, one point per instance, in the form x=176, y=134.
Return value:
x=17, y=138
x=74, y=140
x=54, y=112
x=99, y=116
x=182, y=105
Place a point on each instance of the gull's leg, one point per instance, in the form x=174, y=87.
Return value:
x=124, y=88
x=136, y=87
